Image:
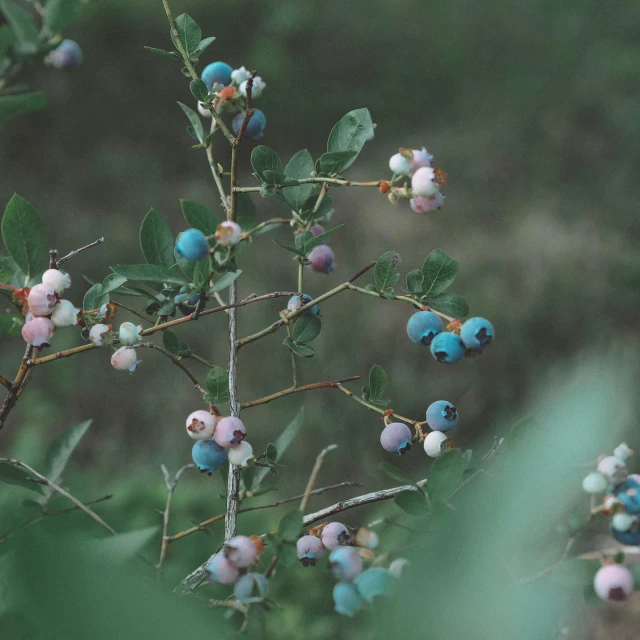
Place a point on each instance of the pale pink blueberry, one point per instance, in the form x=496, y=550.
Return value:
x=613, y=469
x=38, y=331
x=321, y=259
x=242, y=551
x=129, y=333
x=613, y=582
x=230, y=432
x=125, y=359
x=222, y=570
x=200, y=425
x=241, y=454
x=423, y=183
x=56, y=279
x=42, y=299
x=100, y=335
x=228, y=233
x=421, y=158
x=64, y=314
x=425, y=205
x=310, y=549
x=400, y=164
x=317, y=230
x=346, y=563
x=335, y=535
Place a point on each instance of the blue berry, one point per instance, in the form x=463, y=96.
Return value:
x=208, y=456
x=423, y=327
x=255, y=128
x=631, y=538
x=396, y=438
x=295, y=302
x=309, y=549
x=374, y=582
x=447, y=347
x=628, y=493
x=477, y=333
x=216, y=73
x=251, y=585
x=68, y=55
x=442, y=415
x=346, y=563
x=346, y=598
x=192, y=245
x=187, y=306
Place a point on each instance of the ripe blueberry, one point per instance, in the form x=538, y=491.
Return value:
x=295, y=302
x=613, y=582
x=208, y=456
x=310, y=549
x=229, y=432
x=68, y=55
x=423, y=327
x=442, y=415
x=334, y=535
x=435, y=443
x=38, y=332
x=255, y=128
x=477, y=333
x=346, y=563
x=192, y=245
x=222, y=570
x=346, y=598
x=321, y=259
x=628, y=493
x=317, y=230
x=447, y=347
x=374, y=582
x=187, y=304
x=242, y=551
x=396, y=438
x=631, y=537
x=200, y=425
x=216, y=73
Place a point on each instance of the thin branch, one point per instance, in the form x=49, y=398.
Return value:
x=336, y=181
x=5, y=383
x=271, y=568
x=314, y=475
x=307, y=387
x=214, y=168
x=176, y=361
x=60, y=261
x=21, y=380
x=248, y=112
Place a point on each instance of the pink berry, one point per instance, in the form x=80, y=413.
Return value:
x=317, y=230
x=200, y=425
x=613, y=582
x=242, y=551
x=367, y=538
x=230, y=432
x=310, y=549
x=421, y=158
x=228, y=233
x=423, y=183
x=42, y=299
x=38, y=332
x=125, y=359
x=425, y=205
x=334, y=535
x=56, y=279
x=100, y=335
x=321, y=259
x=222, y=570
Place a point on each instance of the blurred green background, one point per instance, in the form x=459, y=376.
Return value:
x=531, y=107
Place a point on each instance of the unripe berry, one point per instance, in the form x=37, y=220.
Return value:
x=442, y=415
x=228, y=234
x=38, y=332
x=594, y=483
x=222, y=570
x=425, y=205
x=317, y=230
x=42, y=299
x=396, y=438
x=67, y=56
x=335, y=535
x=295, y=302
x=346, y=563
x=200, y=425
x=64, y=314
x=241, y=551
x=367, y=538
x=250, y=584
x=623, y=521
x=399, y=164
x=239, y=75
x=477, y=333
x=435, y=443
x=229, y=432
x=241, y=454
x=125, y=359
x=374, y=582
x=421, y=158
x=56, y=279
x=129, y=333
x=447, y=347
x=203, y=111
x=423, y=183
x=192, y=245
x=100, y=335
x=423, y=327
x=622, y=452
x=321, y=259
x=208, y=456
x=255, y=128
x=628, y=494
x=397, y=567
x=259, y=85
x=613, y=469
x=346, y=598
x=216, y=73
x=613, y=582
x=310, y=549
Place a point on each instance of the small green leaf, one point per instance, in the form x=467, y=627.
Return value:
x=174, y=55
x=384, y=273
x=313, y=242
x=195, y=121
x=199, y=217
x=439, y=271
x=298, y=252
x=414, y=282
x=225, y=281
x=10, y=325
x=148, y=273
x=23, y=26
x=156, y=240
x=189, y=33
x=351, y=133
x=11, y=474
x=12, y=106
x=450, y=303
x=59, y=14
x=61, y=448
x=301, y=239
x=306, y=328
x=272, y=452
x=300, y=166
x=174, y=345
x=123, y=547
x=203, y=45
x=217, y=384
x=334, y=162
x=290, y=525
x=412, y=502
x=114, y=282
x=301, y=350
x=8, y=270
x=396, y=473
x=264, y=159
x=273, y=178
x=94, y=298
x=199, y=90
x=324, y=213
x=445, y=474
x=24, y=236
x=377, y=382
x=6, y=39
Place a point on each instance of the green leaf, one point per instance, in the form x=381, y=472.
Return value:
x=199, y=90
x=246, y=212
x=203, y=45
x=174, y=55
x=439, y=271
x=174, y=345
x=290, y=525
x=298, y=252
x=412, y=502
x=414, y=282
x=11, y=474
x=377, y=382
x=318, y=240
x=114, y=282
x=195, y=121
x=148, y=273
x=351, y=132
x=450, y=303
x=189, y=33
x=59, y=14
x=306, y=328
x=225, y=281
x=156, y=240
x=10, y=325
x=94, y=298
x=263, y=159
x=336, y=161
x=445, y=474
x=301, y=239
x=23, y=26
x=6, y=39
x=272, y=452
x=123, y=547
x=61, y=448
x=199, y=217
x=8, y=269
x=24, y=236
x=217, y=384
x=301, y=350
x=384, y=273
x=300, y=166
x=396, y=473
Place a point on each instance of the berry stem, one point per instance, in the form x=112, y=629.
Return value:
x=294, y=366
x=57, y=263
x=214, y=169
x=336, y=181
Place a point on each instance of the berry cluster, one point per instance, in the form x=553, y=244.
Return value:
x=426, y=328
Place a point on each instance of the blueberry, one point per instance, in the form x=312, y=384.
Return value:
x=208, y=456
x=396, y=438
x=321, y=259
x=334, y=535
x=250, y=584
x=68, y=55
x=346, y=598
x=229, y=432
x=435, y=443
x=477, y=333
x=374, y=582
x=442, y=415
x=613, y=582
x=447, y=347
x=594, y=483
x=241, y=550
x=216, y=73
x=295, y=302
x=628, y=493
x=192, y=245
x=200, y=425
x=310, y=549
x=221, y=569
x=187, y=304
x=255, y=128
x=630, y=537
x=346, y=563
x=423, y=327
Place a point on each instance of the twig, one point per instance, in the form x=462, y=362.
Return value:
x=61, y=491
x=247, y=115
x=5, y=383
x=214, y=168
x=314, y=475
x=176, y=361
x=22, y=378
x=336, y=181
x=60, y=261
x=487, y=456
x=271, y=568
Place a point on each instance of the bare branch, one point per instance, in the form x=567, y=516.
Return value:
x=314, y=475
x=75, y=252
x=175, y=360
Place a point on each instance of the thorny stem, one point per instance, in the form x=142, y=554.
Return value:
x=314, y=475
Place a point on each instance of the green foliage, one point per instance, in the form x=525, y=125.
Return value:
x=290, y=525
x=23, y=26
x=306, y=328
x=335, y=162
x=12, y=106
x=446, y=474
x=264, y=159
x=217, y=386
x=450, y=303
x=189, y=33
x=350, y=135
x=196, y=123
x=11, y=474
x=412, y=502
x=149, y=273
x=174, y=345
x=10, y=325
x=384, y=273
x=95, y=297
x=396, y=473
x=60, y=14
x=156, y=240
x=438, y=271
x=378, y=381
x=300, y=166
x=198, y=216
x=199, y=90
x=61, y=449
x=224, y=281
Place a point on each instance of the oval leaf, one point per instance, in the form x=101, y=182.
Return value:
x=384, y=273
x=439, y=271
x=156, y=240
x=199, y=217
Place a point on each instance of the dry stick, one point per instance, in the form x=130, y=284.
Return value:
x=171, y=487
x=176, y=361
x=5, y=383
x=59, y=262
x=336, y=181
x=314, y=475
x=61, y=491
x=20, y=380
